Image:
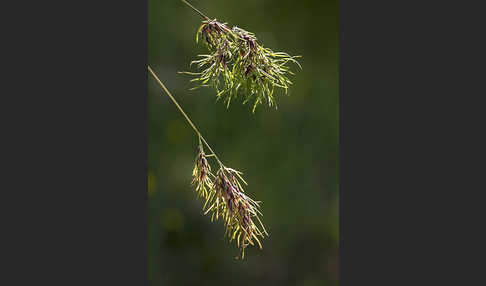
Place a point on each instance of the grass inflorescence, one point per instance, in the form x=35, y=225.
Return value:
x=225, y=199
x=238, y=65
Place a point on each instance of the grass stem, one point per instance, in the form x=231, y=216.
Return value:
x=184, y=114
x=197, y=11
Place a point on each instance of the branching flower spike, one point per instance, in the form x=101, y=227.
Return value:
x=238, y=65
x=225, y=199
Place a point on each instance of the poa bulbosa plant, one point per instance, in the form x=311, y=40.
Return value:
x=237, y=66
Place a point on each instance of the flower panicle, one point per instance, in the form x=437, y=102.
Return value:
x=239, y=66
x=225, y=199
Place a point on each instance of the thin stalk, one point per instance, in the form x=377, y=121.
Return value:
x=194, y=8
x=184, y=114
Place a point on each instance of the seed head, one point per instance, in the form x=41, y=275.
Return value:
x=225, y=199
x=239, y=66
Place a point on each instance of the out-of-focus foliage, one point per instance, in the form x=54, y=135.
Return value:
x=289, y=156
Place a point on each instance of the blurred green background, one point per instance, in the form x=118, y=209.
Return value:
x=289, y=156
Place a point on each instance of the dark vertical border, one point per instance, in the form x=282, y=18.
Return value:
x=79, y=148
x=371, y=144
x=407, y=112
